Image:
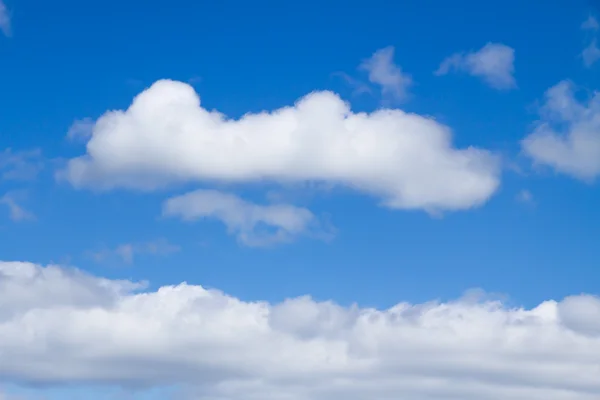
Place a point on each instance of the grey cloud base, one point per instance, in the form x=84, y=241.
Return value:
x=61, y=327
x=166, y=137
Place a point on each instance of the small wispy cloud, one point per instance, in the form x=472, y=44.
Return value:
x=358, y=87
x=591, y=54
x=383, y=71
x=81, y=130
x=591, y=24
x=494, y=63
x=5, y=24
x=20, y=165
x=127, y=252
x=525, y=197
x=12, y=200
x=254, y=225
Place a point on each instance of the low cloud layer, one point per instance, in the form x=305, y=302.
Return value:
x=165, y=136
x=494, y=63
x=567, y=137
x=60, y=326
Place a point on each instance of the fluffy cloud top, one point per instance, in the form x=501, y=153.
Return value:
x=62, y=326
x=567, y=137
x=494, y=63
x=385, y=73
x=165, y=136
x=253, y=224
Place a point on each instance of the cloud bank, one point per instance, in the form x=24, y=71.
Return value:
x=60, y=326
x=165, y=137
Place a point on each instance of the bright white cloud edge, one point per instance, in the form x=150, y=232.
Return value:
x=567, y=136
x=62, y=326
x=166, y=137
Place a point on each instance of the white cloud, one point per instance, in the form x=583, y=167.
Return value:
x=61, y=326
x=494, y=63
x=127, y=251
x=591, y=54
x=165, y=136
x=590, y=23
x=385, y=73
x=16, y=211
x=5, y=25
x=567, y=137
x=253, y=224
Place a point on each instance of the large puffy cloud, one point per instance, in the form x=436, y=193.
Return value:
x=567, y=137
x=165, y=136
x=60, y=326
x=254, y=225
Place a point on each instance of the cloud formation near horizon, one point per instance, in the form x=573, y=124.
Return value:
x=55, y=324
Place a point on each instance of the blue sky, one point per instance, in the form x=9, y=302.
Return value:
x=440, y=148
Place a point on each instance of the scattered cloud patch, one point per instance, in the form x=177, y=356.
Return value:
x=254, y=225
x=525, y=197
x=166, y=137
x=494, y=63
x=81, y=130
x=567, y=137
x=358, y=87
x=591, y=23
x=220, y=347
x=13, y=201
x=5, y=24
x=591, y=54
x=20, y=165
x=388, y=75
x=127, y=252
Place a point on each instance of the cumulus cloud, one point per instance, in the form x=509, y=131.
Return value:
x=64, y=327
x=165, y=136
x=494, y=63
x=591, y=54
x=253, y=224
x=387, y=74
x=5, y=25
x=127, y=251
x=567, y=137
